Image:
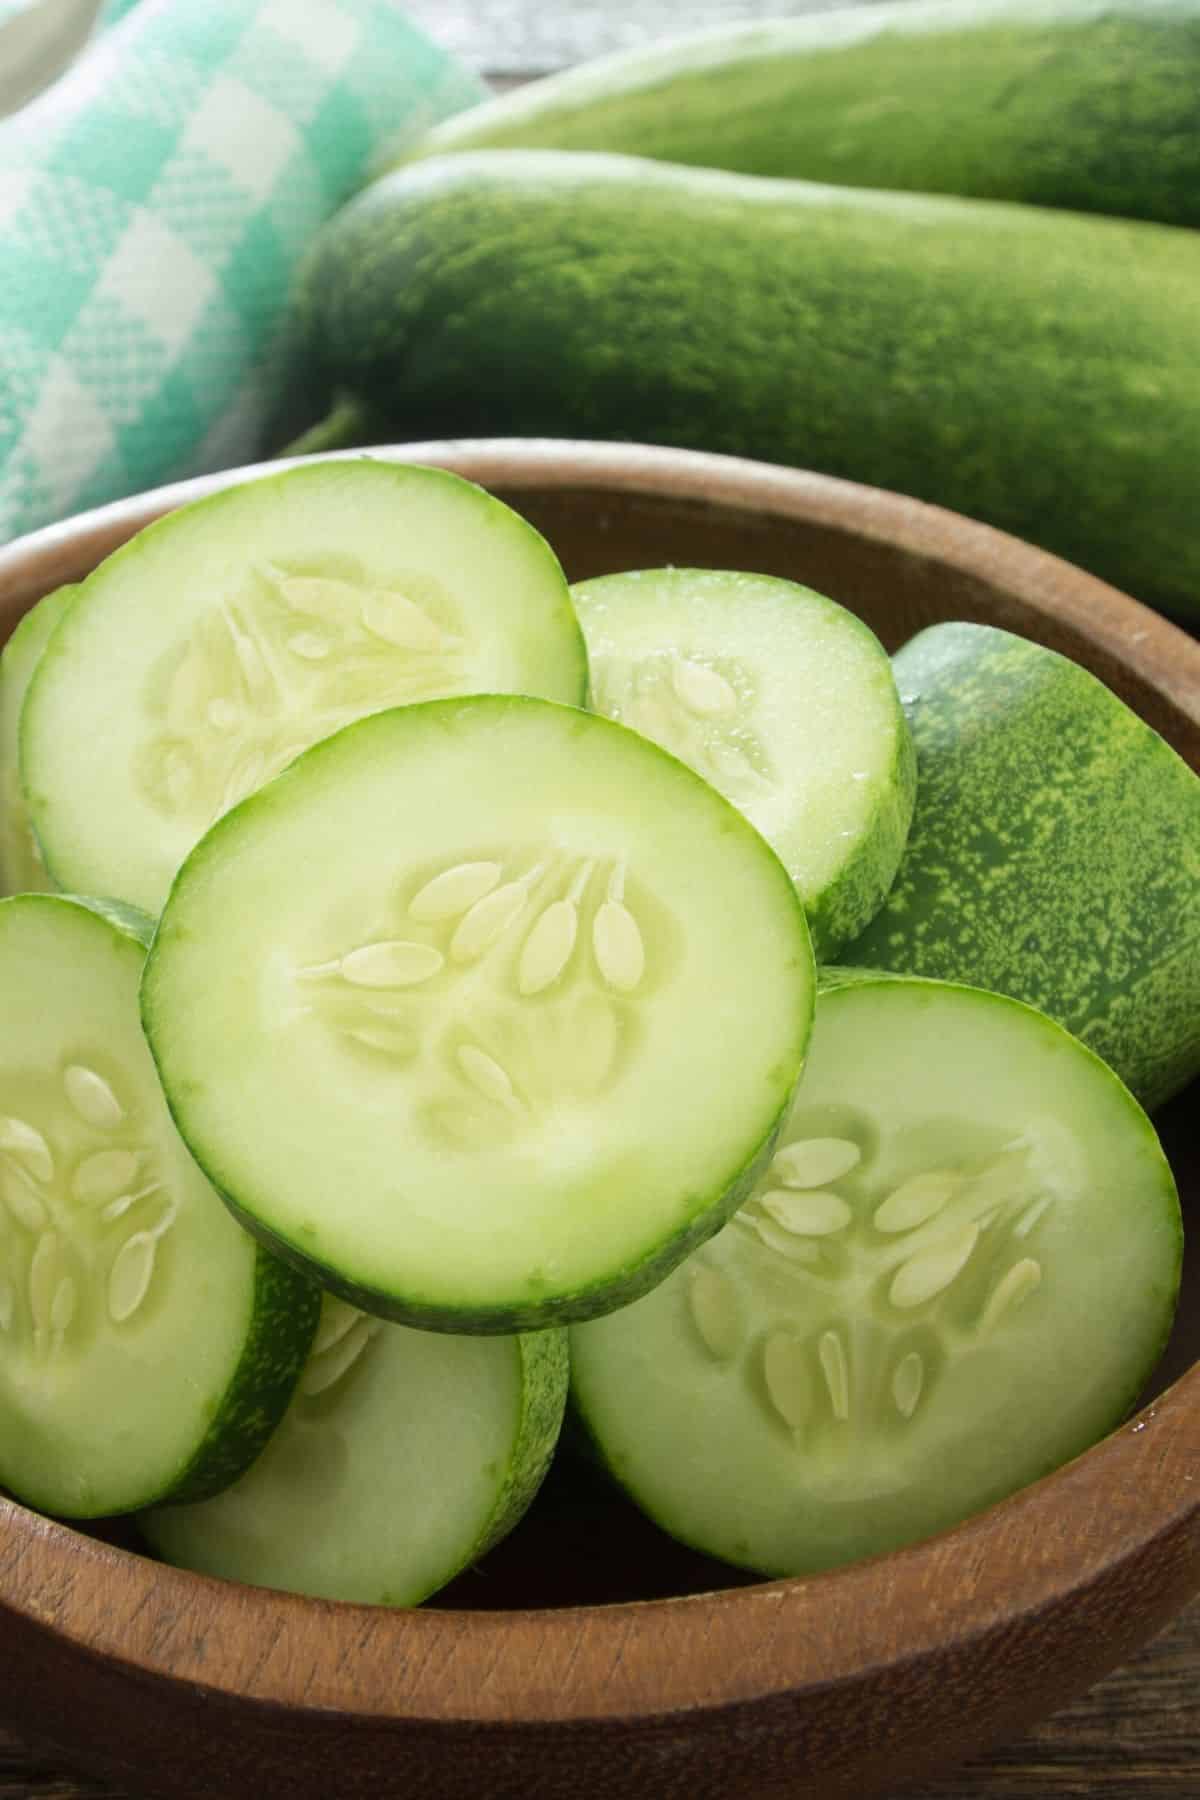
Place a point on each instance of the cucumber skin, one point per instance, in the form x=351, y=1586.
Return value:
x=118, y=913
x=1111, y=899
x=545, y=1371
x=287, y=1308
x=861, y=886
x=1085, y=104
x=1031, y=369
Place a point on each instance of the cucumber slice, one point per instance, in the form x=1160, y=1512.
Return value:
x=22, y=870
x=404, y=1456
x=1054, y=854
x=958, y=1273
x=225, y=638
x=447, y=1011
x=147, y=1343
x=785, y=702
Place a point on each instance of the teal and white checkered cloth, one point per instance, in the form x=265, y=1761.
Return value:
x=153, y=205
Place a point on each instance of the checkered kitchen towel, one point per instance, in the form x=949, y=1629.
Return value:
x=153, y=205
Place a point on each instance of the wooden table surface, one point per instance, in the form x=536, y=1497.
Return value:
x=1136, y=1735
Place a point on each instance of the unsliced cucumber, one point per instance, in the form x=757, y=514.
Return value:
x=958, y=1272
x=404, y=1456
x=201, y=657
x=1086, y=104
x=486, y=1011
x=147, y=1343
x=783, y=700
x=1034, y=369
x=1054, y=854
x=22, y=870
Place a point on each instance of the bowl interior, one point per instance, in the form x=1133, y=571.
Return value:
x=901, y=567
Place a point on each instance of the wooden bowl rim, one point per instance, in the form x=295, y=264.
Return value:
x=537, y=1667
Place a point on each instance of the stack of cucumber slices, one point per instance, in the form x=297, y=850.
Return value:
x=424, y=1012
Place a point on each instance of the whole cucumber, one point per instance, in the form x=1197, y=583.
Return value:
x=1087, y=104
x=1054, y=854
x=1036, y=370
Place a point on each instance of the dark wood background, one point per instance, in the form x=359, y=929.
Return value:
x=1136, y=1736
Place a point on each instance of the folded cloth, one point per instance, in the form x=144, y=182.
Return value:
x=153, y=205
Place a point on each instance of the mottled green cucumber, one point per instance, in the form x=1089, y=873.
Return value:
x=1086, y=104
x=148, y=1345
x=1054, y=853
x=404, y=1456
x=783, y=700
x=958, y=1272
x=1033, y=369
x=495, y=1022
x=22, y=870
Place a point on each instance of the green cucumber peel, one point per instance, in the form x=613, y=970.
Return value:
x=1054, y=853
x=873, y=335
x=1080, y=104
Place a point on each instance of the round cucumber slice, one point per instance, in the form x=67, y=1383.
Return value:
x=449, y=1011
x=403, y=1457
x=147, y=1343
x=957, y=1273
x=783, y=700
x=22, y=870
x=1054, y=854
x=230, y=635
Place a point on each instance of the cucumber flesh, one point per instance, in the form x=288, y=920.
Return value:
x=1054, y=853
x=403, y=1457
x=784, y=701
x=22, y=870
x=446, y=1011
x=225, y=638
x=147, y=1343
x=958, y=1272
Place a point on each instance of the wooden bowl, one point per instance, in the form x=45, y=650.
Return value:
x=589, y=1658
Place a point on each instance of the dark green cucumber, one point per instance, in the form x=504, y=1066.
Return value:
x=1036, y=370
x=1076, y=103
x=1054, y=854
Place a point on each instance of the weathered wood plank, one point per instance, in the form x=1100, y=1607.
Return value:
x=512, y=38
